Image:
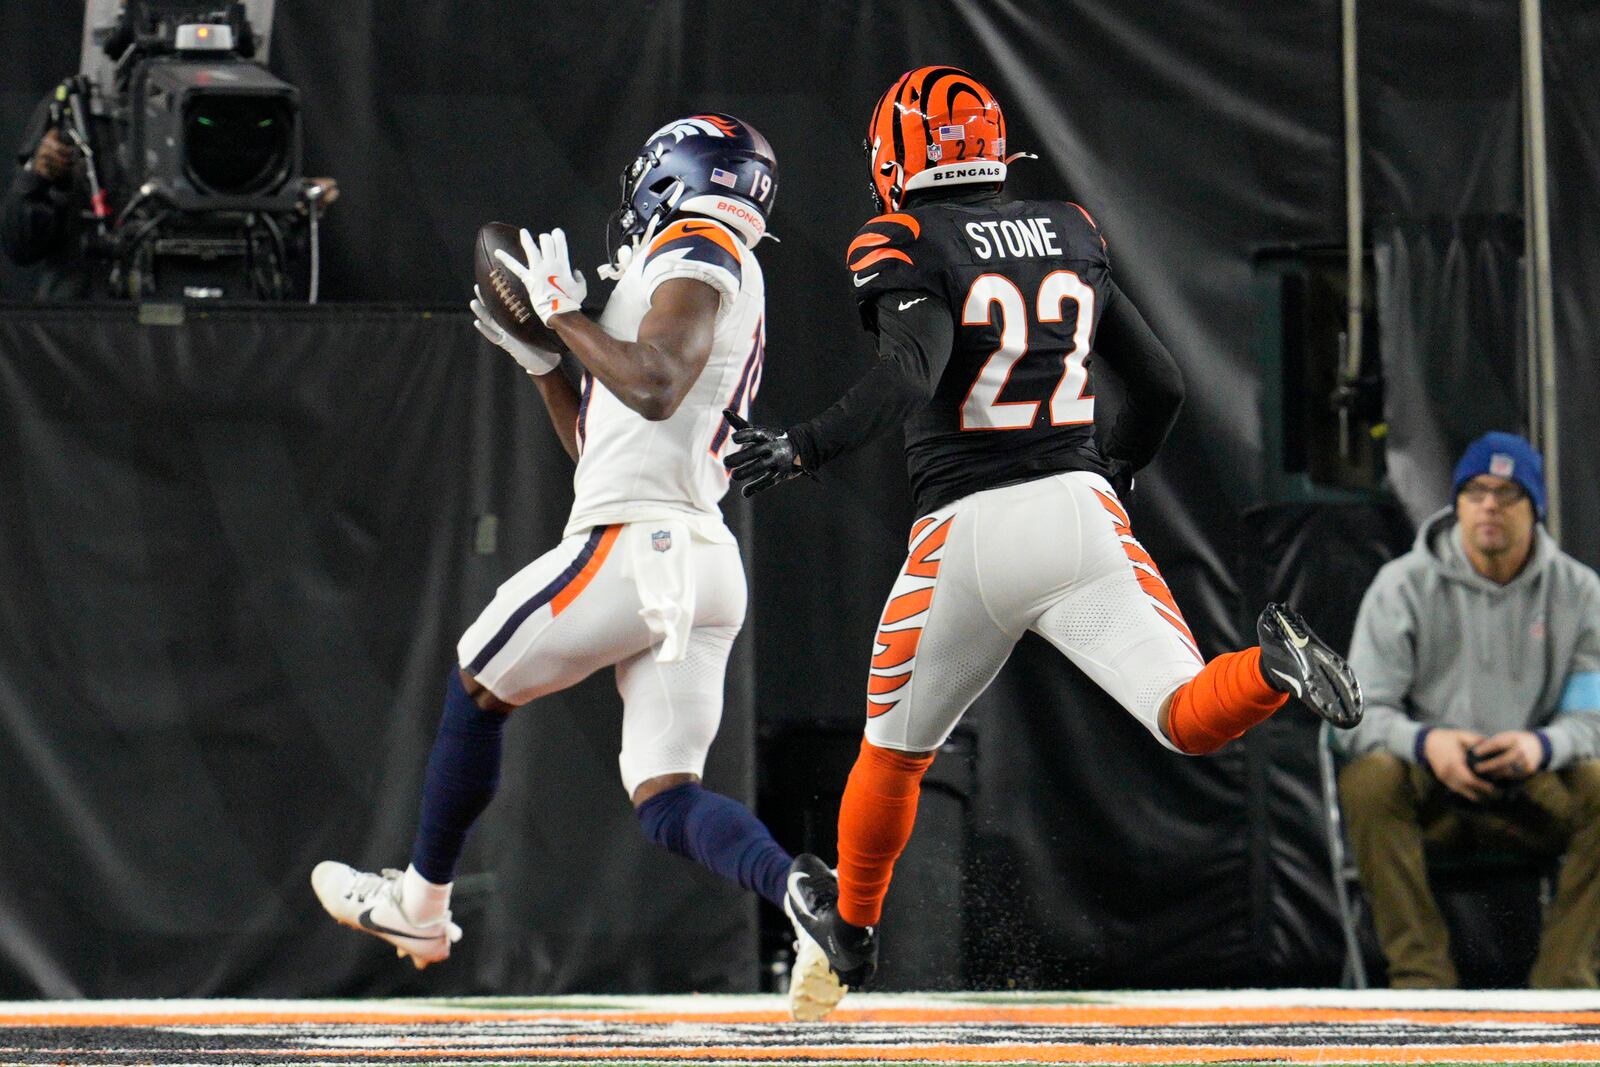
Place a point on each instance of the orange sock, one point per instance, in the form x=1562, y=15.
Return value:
x=875, y=820
x=1224, y=700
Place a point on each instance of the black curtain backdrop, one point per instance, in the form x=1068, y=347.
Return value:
x=237, y=555
x=1197, y=132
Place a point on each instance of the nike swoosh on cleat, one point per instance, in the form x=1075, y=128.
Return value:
x=368, y=924
x=799, y=899
x=908, y=303
x=860, y=281
x=1297, y=640
x=1294, y=683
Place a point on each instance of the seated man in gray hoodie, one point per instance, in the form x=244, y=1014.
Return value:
x=1479, y=651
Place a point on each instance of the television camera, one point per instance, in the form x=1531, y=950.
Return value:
x=210, y=200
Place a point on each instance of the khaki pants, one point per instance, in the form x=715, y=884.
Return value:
x=1393, y=809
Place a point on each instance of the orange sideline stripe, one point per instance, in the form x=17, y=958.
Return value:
x=1572, y=1052
x=1104, y=1014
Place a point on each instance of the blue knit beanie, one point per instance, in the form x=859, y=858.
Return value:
x=1504, y=455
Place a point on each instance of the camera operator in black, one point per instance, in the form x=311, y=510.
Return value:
x=73, y=212
x=46, y=215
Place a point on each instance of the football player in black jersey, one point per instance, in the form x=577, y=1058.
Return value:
x=987, y=312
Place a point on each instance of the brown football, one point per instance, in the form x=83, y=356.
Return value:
x=503, y=292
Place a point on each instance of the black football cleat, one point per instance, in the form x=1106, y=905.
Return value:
x=850, y=952
x=1295, y=660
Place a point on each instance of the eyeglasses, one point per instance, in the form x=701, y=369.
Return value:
x=1504, y=495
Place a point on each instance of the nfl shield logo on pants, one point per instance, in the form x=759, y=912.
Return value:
x=661, y=540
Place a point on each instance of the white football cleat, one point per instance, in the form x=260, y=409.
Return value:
x=371, y=903
x=814, y=988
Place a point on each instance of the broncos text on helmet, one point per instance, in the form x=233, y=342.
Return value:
x=709, y=164
x=935, y=126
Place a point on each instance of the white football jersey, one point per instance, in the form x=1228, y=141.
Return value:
x=631, y=469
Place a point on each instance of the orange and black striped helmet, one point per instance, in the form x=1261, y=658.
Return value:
x=935, y=125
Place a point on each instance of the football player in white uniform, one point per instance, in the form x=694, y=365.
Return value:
x=647, y=579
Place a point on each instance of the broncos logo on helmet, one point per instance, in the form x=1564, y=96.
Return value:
x=935, y=126
x=708, y=164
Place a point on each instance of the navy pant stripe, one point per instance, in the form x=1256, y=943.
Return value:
x=539, y=600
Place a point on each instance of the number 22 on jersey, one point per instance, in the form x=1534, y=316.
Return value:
x=983, y=408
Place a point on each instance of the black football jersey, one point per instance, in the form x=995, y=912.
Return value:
x=1023, y=281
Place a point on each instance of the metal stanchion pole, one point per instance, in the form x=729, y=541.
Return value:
x=1543, y=402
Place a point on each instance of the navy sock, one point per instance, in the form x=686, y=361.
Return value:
x=463, y=773
x=719, y=833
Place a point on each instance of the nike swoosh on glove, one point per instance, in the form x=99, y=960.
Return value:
x=554, y=288
x=767, y=458
x=533, y=360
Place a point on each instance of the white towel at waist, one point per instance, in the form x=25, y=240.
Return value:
x=660, y=558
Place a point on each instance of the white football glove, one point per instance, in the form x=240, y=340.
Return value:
x=554, y=288
x=533, y=360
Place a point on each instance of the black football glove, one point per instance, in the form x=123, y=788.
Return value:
x=1121, y=479
x=767, y=458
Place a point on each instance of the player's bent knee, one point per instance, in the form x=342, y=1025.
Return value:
x=482, y=697
x=652, y=787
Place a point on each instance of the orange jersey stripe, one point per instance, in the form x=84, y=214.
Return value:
x=875, y=709
x=866, y=240
x=1136, y=552
x=922, y=524
x=906, y=605
x=1156, y=586
x=1118, y=516
x=908, y=221
x=919, y=564
x=900, y=647
x=696, y=228
x=878, y=257
x=879, y=684
x=1157, y=590
x=585, y=576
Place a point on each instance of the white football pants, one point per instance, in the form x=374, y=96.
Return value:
x=1054, y=555
x=583, y=605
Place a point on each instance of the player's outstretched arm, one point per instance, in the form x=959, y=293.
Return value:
x=651, y=375
x=915, y=333
x=913, y=347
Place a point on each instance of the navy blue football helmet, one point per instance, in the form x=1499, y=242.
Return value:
x=711, y=164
